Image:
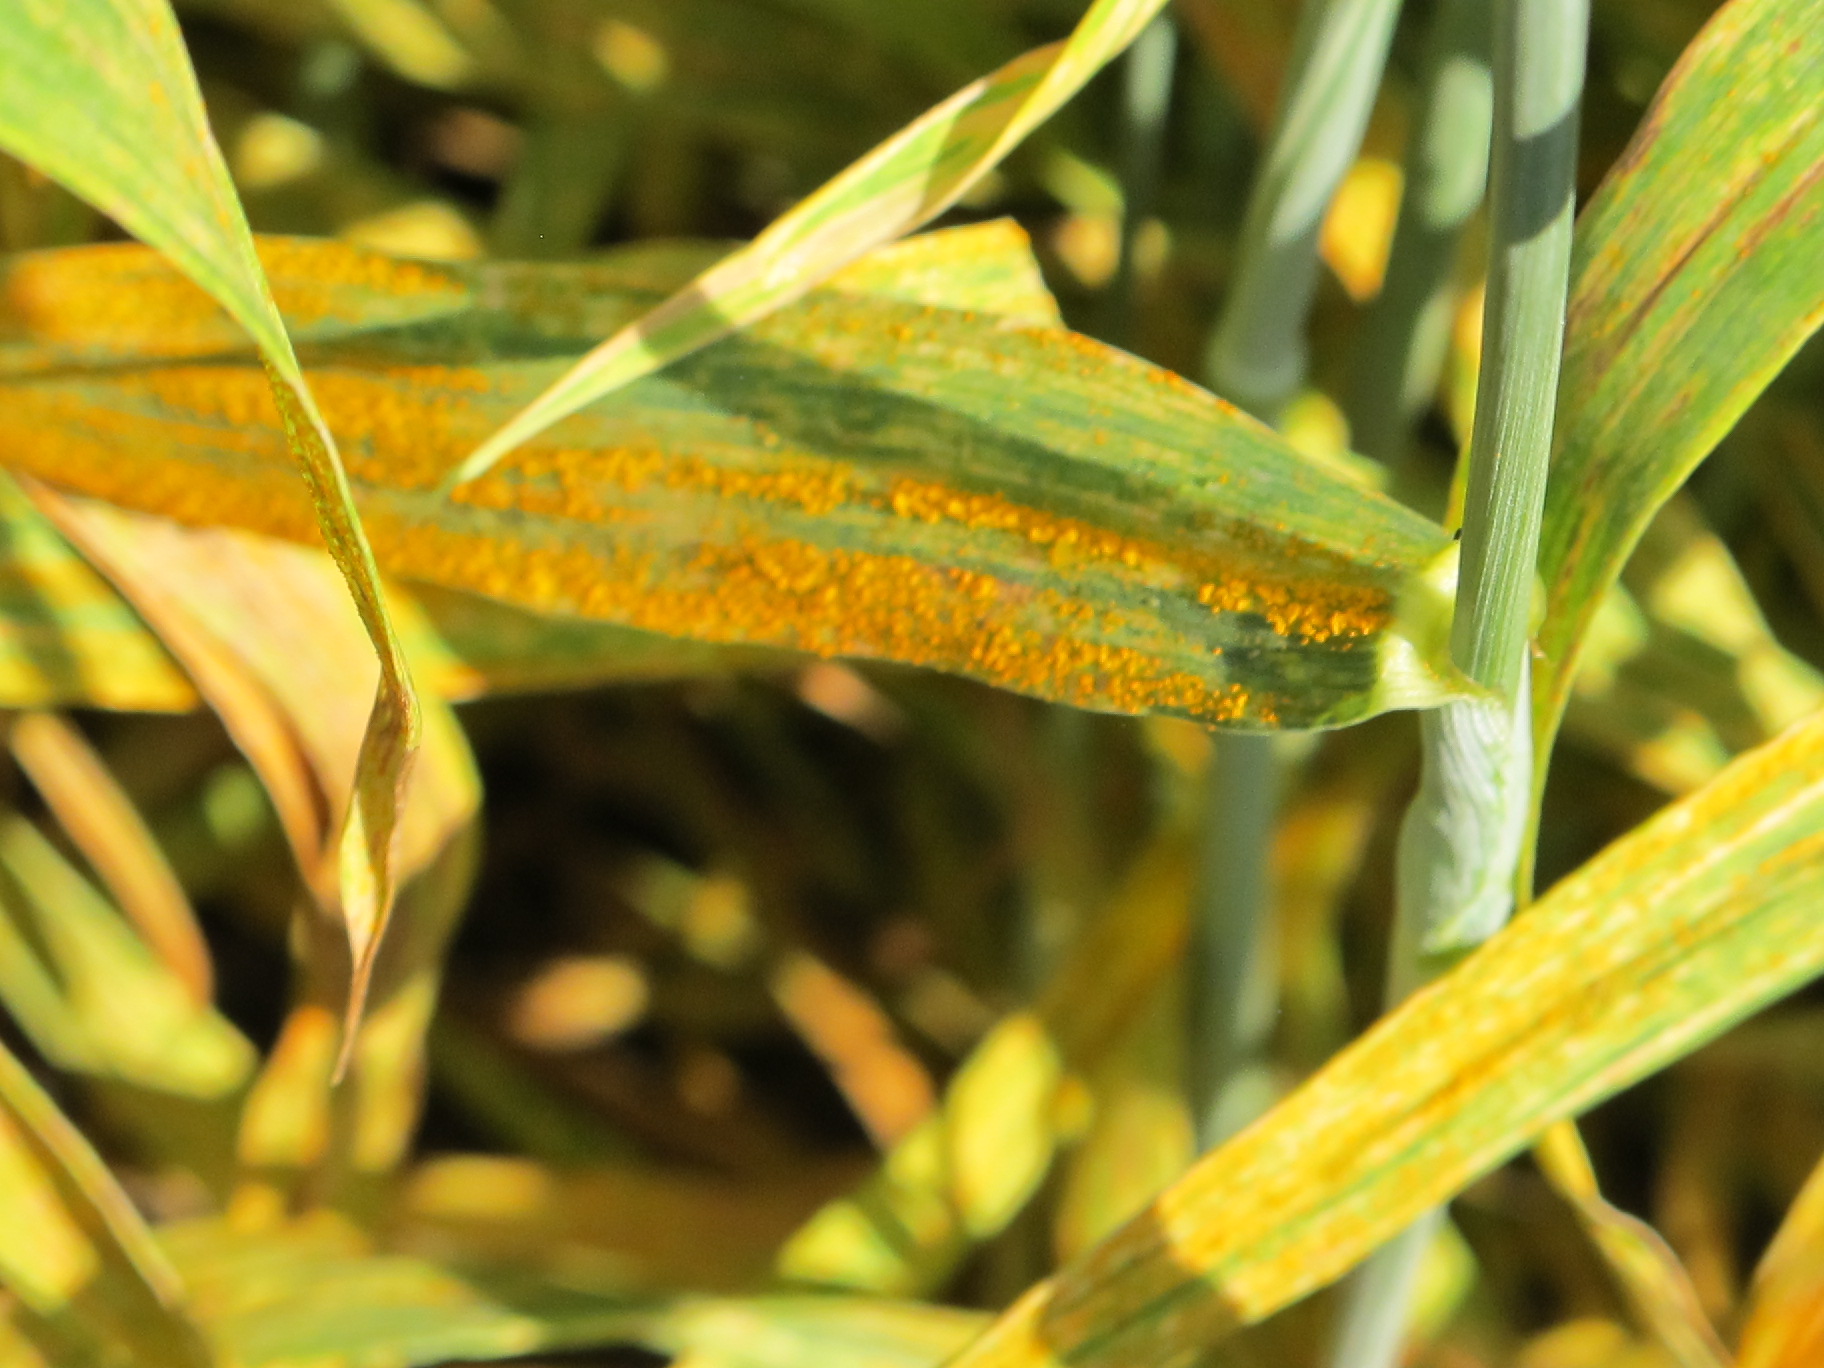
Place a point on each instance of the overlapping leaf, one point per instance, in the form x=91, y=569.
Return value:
x=864, y=474
x=1679, y=929
x=1699, y=270
x=897, y=188
x=100, y=95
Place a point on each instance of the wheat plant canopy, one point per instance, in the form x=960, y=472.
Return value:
x=1676, y=931
x=897, y=188
x=865, y=473
x=1699, y=271
x=100, y=95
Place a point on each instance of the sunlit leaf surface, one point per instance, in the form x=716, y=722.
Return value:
x=1647, y=952
x=897, y=188
x=857, y=475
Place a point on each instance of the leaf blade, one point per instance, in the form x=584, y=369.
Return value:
x=895, y=189
x=1697, y=274
x=100, y=95
x=854, y=476
x=1647, y=952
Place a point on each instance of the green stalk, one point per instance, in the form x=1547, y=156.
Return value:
x=1407, y=331
x=1146, y=96
x=566, y=176
x=1460, y=846
x=1257, y=357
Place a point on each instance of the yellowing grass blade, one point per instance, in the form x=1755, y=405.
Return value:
x=1784, y=1325
x=969, y=1168
x=1639, y=1259
x=100, y=95
x=73, y=1251
x=898, y=187
x=101, y=821
x=1672, y=934
x=1699, y=270
x=264, y=629
x=89, y=992
x=865, y=473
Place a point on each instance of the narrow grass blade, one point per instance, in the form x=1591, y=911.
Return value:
x=1649, y=1273
x=234, y=609
x=1020, y=505
x=75, y=1252
x=1783, y=1327
x=1653, y=948
x=99, y=94
x=1699, y=270
x=963, y=1174
x=897, y=188
x=101, y=821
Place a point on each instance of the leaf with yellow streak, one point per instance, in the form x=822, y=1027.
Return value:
x=895, y=189
x=866, y=473
x=1653, y=948
x=1698, y=271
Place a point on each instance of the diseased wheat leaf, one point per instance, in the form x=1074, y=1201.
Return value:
x=896, y=189
x=1699, y=271
x=860, y=474
x=1681, y=928
x=100, y=95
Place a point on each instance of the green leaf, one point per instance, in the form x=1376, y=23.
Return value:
x=858, y=475
x=896, y=189
x=73, y=1250
x=99, y=94
x=1650, y=950
x=1699, y=271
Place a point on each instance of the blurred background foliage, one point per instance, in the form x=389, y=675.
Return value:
x=732, y=938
